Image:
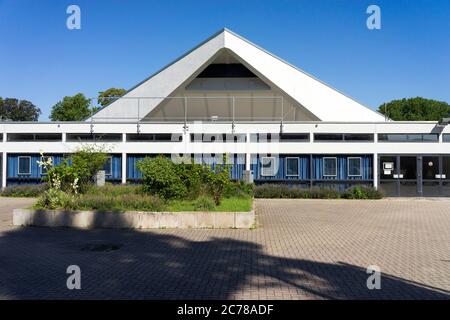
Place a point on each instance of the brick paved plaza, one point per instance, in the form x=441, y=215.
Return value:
x=302, y=249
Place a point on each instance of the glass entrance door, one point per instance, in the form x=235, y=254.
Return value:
x=388, y=169
x=407, y=176
x=445, y=176
x=431, y=176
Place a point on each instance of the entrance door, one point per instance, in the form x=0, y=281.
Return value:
x=407, y=176
x=388, y=169
x=399, y=176
x=431, y=176
x=445, y=176
x=411, y=176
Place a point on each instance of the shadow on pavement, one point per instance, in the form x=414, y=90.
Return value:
x=192, y=264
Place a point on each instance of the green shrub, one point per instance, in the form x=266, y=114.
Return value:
x=169, y=180
x=217, y=180
x=283, y=191
x=324, y=193
x=160, y=177
x=25, y=191
x=239, y=189
x=204, y=203
x=362, y=192
x=55, y=199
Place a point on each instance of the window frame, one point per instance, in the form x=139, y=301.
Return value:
x=323, y=167
x=286, y=167
x=110, y=166
x=263, y=174
x=41, y=167
x=381, y=135
x=29, y=166
x=360, y=167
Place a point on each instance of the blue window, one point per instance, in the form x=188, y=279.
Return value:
x=354, y=166
x=268, y=166
x=43, y=168
x=108, y=166
x=24, y=167
x=329, y=167
x=291, y=167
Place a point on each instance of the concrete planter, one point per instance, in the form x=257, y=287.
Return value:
x=133, y=219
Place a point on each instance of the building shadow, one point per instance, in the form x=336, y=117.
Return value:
x=185, y=264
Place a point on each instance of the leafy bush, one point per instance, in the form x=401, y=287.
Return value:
x=278, y=191
x=361, y=192
x=26, y=191
x=324, y=193
x=217, y=181
x=75, y=173
x=169, y=180
x=161, y=178
x=204, y=203
x=283, y=191
x=239, y=189
x=86, y=161
x=55, y=199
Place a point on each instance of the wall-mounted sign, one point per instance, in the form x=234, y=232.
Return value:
x=388, y=165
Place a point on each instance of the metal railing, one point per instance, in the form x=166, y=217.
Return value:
x=194, y=108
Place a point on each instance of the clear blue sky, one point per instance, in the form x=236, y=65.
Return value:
x=123, y=42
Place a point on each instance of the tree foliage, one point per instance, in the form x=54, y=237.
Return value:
x=415, y=109
x=109, y=95
x=18, y=110
x=71, y=108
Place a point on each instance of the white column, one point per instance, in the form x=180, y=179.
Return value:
x=4, y=169
x=124, y=168
x=247, y=153
x=375, y=170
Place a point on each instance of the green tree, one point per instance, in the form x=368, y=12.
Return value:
x=75, y=108
x=108, y=96
x=18, y=110
x=415, y=109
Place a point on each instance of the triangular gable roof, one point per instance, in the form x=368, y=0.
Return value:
x=323, y=101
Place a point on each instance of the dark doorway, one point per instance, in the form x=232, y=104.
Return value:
x=410, y=176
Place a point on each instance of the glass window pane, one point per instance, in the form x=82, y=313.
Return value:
x=446, y=167
x=409, y=137
x=354, y=166
x=24, y=165
x=329, y=166
x=430, y=167
x=291, y=166
x=108, y=166
x=328, y=137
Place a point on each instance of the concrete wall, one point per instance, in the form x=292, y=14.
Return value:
x=134, y=219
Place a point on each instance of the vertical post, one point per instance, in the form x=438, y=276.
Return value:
x=139, y=110
x=4, y=156
x=233, y=104
x=124, y=168
x=248, y=157
x=375, y=170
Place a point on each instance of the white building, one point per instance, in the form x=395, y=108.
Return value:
x=276, y=123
